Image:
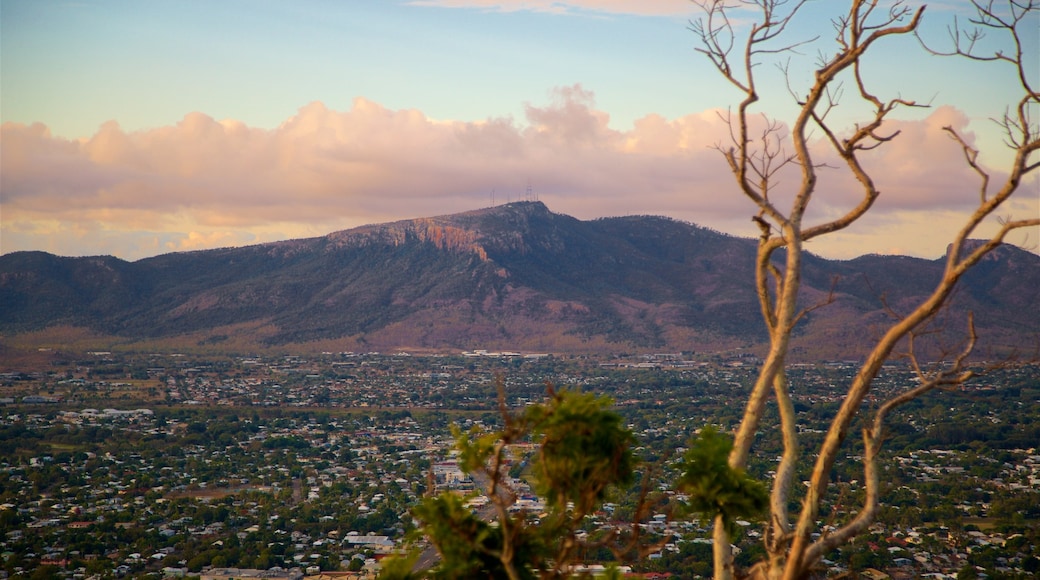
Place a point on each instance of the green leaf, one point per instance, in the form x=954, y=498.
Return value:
x=584, y=449
x=714, y=488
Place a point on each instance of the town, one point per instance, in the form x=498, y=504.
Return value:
x=170, y=465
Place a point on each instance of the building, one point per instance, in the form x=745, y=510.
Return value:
x=248, y=574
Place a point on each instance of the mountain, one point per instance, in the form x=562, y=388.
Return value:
x=513, y=277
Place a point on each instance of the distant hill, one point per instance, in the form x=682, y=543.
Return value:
x=513, y=277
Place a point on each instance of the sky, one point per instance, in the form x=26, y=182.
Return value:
x=140, y=127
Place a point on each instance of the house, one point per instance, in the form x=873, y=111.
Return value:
x=248, y=573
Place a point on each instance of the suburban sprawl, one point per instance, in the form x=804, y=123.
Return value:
x=186, y=465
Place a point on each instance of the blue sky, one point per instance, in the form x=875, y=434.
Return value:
x=75, y=65
x=138, y=127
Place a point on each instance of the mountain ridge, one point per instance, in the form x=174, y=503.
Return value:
x=510, y=277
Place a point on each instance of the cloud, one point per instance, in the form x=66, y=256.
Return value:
x=633, y=7
x=206, y=183
x=201, y=241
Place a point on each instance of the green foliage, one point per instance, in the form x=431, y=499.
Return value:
x=715, y=488
x=470, y=547
x=583, y=450
x=285, y=442
x=397, y=568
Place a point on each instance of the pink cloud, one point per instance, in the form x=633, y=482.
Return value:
x=200, y=241
x=922, y=169
x=207, y=183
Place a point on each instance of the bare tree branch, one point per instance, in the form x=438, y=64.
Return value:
x=756, y=164
x=873, y=439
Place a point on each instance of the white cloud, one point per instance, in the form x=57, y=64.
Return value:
x=206, y=183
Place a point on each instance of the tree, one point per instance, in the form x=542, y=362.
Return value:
x=717, y=489
x=581, y=451
x=760, y=152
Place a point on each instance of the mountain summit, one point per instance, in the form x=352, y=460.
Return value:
x=512, y=277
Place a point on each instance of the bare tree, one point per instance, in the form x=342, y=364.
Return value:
x=795, y=542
